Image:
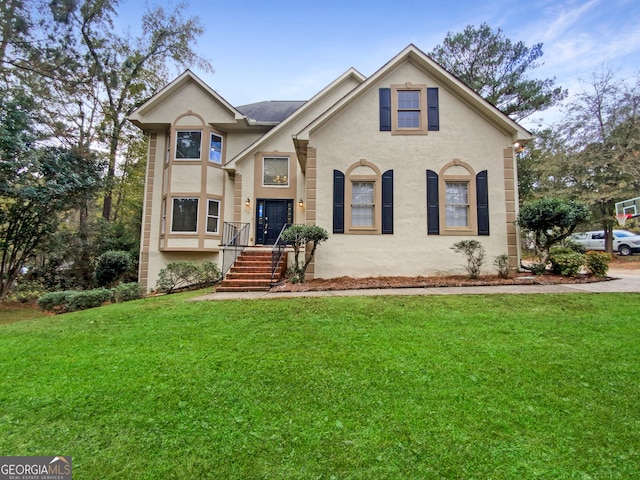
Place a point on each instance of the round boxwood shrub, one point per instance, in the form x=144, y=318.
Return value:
x=598, y=263
x=56, y=302
x=566, y=262
x=111, y=267
x=128, y=291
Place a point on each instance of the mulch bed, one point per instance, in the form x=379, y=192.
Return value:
x=350, y=283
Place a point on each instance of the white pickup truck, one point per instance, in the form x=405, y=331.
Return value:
x=624, y=242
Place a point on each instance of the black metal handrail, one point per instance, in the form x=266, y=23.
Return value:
x=235, y=238
x=277, y=251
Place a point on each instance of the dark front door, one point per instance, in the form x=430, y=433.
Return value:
x=272, y=216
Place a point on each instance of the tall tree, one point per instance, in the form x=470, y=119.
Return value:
x=601, y=131
x=593, y=153
x=128, y=71
x=497, y=69
x=37, y=184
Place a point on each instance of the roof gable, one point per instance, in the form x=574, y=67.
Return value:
x=144, y=117
x=421, y=60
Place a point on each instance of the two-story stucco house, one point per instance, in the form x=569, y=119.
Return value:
x=397, y=167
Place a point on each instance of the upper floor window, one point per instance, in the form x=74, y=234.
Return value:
x=188, y=144
x=215, y=148
x=409, y=109
x=275, y=171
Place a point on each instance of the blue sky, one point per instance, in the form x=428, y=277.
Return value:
x=290, y=50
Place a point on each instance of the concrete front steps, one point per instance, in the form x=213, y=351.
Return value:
x=252, y=272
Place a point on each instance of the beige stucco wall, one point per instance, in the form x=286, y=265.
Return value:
x=190, y=97
x=280, y=143
x=463, y=135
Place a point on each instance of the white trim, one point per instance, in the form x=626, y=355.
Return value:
x=175, y=150
x=188, y=232
x=219, y=162
x=217, y=232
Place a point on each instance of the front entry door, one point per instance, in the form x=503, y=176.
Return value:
x=272, y=215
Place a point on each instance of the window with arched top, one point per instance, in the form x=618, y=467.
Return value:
x=363, y=200
x=457, y=201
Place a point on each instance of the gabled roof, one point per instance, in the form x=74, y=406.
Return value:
x=351, y=74
x=273, y=111
x=416, y=56
x=137, y=116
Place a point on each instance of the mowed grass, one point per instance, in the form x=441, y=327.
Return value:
x=474, y=387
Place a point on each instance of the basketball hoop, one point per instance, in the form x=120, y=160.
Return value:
x=622, y=218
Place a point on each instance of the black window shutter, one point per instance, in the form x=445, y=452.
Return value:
x=433, y=117
x=385, y=109
x=387, y=202
x=482, y=194
x=433, y=209
x=338, y=201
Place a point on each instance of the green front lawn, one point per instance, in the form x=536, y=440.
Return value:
x=497, y=386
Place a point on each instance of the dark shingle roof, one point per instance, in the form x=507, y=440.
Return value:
x=273, y=111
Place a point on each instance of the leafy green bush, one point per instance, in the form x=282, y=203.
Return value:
x=208, y=274
x=187, y=274
x=566, y=262
x=598, y=263
x=576, y=247
x=128, y=291
x=89, y=299
x=501, y=262
x=473, y=252
x=111, y=267
x=25, y=291
x=56, y=302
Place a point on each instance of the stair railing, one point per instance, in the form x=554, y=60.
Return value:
x=277, y=252
x=235, y=238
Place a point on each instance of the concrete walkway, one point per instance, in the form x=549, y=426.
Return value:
x=623, y=281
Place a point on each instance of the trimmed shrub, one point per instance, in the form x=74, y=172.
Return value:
x=299, y=236
x=566, y=262
x=208, y=274
x=178, y=275
x=598, y=263
x=111, y=267
x=126, y=292
x=89, y=299
x=501, y=262
x=56, y=302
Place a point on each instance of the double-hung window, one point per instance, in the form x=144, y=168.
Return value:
x=408, y=108
x=362, y=204
x=457, y=204
x=184, y=215
x=188, y=144
x=213, y=216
